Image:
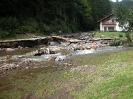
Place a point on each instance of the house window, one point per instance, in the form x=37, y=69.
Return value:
x=105, y=28
x=110, y=28
x=107, y=20
x=113, y=20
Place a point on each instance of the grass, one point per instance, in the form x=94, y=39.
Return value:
x=110, y=34
x=113, y=78
x=37, y=81
x=119, y=37
x=93, y=76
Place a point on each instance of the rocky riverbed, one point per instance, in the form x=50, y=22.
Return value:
x=58, y=48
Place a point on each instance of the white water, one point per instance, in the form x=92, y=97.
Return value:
x=83, y=52
x=60, y=57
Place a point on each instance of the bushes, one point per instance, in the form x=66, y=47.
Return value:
x=43, y=28
x=120, y=35
x=3, y=34
x=128, y=35
x=29, y=25
x=59, y=24
x=115, y=42
x=9, y=24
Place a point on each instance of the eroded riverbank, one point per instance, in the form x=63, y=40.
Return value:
x=22, y=62
x=58, y=49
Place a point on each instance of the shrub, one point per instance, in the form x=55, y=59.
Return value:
x=9, y=24
x=115, y=42
x=44, y=28
x=26, y=28
x=3, y=34
x=63, y=26
x=59, y=24
x=30, y=25
x=128, y=35
x=72, y=27
x=120, y=35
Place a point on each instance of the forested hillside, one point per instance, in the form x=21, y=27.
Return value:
x=126, y=3
x=48, y=16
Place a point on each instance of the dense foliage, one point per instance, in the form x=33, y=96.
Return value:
x=124, y=17
x=48, y=16
x=126, y=3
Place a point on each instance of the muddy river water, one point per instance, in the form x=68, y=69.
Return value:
x=61, y=56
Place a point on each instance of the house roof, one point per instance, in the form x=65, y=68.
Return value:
x=105, y=17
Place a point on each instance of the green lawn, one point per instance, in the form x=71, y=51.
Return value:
x=93, y=76
x=113, y=78
x=110, y=34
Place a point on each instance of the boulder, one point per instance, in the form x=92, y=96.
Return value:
x=9, y=49
x=53, y=43
x=39, y=52
x=94, y=46
x=54, y=49
x=60, y=58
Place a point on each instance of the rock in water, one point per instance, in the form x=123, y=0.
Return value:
x=61, y=57
x=9, y=49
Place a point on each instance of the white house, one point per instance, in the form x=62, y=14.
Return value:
x=109, y=23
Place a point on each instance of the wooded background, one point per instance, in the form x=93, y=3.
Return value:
x=48, y=16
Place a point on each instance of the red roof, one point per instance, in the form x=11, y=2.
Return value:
x=105, y=17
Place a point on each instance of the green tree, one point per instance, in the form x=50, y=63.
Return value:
x=50, y=15
x=85, y=14
x=121, y=15
x=9, y=24
x=127, y=3
x=100, y=8
x=124, y=16
x=130, y=18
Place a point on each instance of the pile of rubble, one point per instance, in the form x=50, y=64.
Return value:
x=56, y=44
